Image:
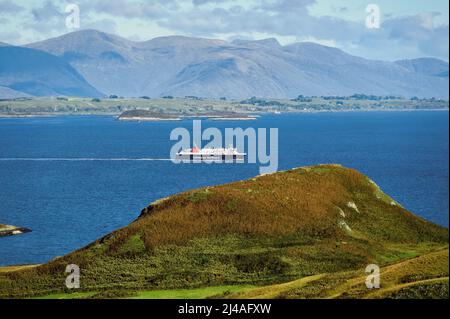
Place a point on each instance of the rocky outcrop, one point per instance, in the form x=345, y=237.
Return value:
x=7, y=230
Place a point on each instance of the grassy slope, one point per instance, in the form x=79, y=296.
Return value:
x=425, y=276
x=399, y=280
x=196, y=293
x=267, y=230
x=9, y=269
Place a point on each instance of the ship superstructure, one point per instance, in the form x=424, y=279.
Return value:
x=229, y=154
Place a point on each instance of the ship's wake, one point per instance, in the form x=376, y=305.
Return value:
x=80, y=159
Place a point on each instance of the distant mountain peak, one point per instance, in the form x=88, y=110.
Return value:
x=426, y=66
x=269, y=42
x=90, y=33
x=183, y=40
x=313, y=48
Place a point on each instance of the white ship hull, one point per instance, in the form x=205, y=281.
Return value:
x=210, y=158
x=216, y=155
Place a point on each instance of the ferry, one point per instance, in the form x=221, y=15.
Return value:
x=228, y=154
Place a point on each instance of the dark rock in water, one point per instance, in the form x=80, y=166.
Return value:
x=7, y=230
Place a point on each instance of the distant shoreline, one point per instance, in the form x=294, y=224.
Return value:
x=148, y=119
x=212, y=117
x=158, y=109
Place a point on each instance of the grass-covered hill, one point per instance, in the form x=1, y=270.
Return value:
x=307, y=232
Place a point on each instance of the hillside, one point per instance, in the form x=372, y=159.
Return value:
x=32, y=72
x=7, y=93
x=424, y=276
x=427, y=66
x=320, y=221
x=182, y=66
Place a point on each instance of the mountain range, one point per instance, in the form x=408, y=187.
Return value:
x=181, y=66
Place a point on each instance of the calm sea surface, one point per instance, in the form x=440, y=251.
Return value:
x=68, y=204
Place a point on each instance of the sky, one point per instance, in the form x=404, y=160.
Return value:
x=406, y=28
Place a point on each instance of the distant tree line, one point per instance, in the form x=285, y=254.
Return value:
x=261, y=102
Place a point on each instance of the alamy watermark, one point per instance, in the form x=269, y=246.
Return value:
x=73, y=279
x=73, y=20
x=374, y=17
x=373, y=279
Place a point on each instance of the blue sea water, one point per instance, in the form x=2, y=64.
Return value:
x=69, y=204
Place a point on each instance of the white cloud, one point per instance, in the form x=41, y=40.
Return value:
x=287, y=20
x=9, y=7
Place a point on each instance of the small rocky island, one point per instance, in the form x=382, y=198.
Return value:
x=146, y=115
x=8, y=230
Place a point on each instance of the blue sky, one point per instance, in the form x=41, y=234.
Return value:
x=408, y=28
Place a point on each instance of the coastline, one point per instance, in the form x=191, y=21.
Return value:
x=12, y=268
x=116, y=115
x=147, y=119
x=232, y=119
